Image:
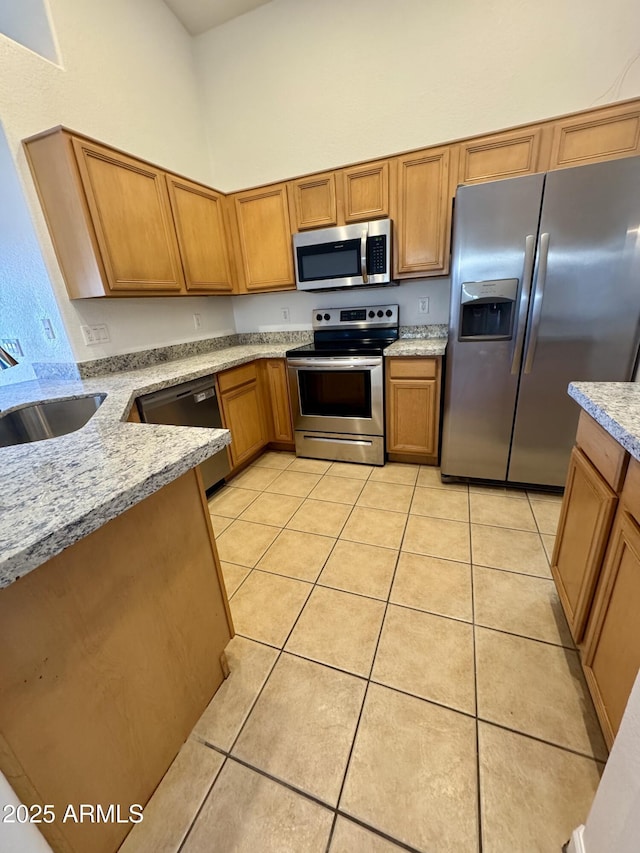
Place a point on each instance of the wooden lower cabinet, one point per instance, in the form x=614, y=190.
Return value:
x=413, y=409
x=242, y=408
x=279, y=403
x=583, y=532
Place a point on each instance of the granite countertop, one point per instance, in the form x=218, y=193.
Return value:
x=615, y=406
x=417, y=346
x=57, y=491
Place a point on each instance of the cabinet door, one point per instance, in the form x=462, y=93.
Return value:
x=366, y=191
x=612, y=641
x=264, y=237
x=502, y=155
x=583, y=531
x=413, y=407
x=243, y=415
x=199, y=219
x=131, y=217
x=278, y=391
x=607, y=135
x=314, y=201
x=422, y=213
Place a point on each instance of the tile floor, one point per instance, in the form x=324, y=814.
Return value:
x=402, y=676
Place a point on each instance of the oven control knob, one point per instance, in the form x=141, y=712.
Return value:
x=327, y=316
x=379, y=313
x=318, y=317
x=388, y=312
x=372, y=313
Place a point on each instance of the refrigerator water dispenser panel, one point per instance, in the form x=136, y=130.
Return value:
x=487, y=310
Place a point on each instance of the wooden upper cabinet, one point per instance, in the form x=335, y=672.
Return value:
x=313, y=201
x=365, y=191
x=502, y=155
x=605, y=135
x=131, y=217
x=422, y=213
x=265, y=256
x=198, y=213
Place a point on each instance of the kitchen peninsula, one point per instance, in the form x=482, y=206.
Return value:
x=113, y=614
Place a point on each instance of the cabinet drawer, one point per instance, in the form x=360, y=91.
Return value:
x=413, y=368
x=604, y=451
x=236, y=376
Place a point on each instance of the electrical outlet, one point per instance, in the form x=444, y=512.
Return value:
x=98, y=334
x=284, y=315
x=423, y=305
x=197, y=321
x=12, y=346
x=49, y=331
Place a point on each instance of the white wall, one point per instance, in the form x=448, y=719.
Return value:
x=126, y=78
x=297, y=85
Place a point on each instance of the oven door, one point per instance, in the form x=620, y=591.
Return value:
x=341, y=394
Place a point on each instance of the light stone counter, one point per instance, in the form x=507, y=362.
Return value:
x=415, y=346
x=55, y=492
x=615, y=406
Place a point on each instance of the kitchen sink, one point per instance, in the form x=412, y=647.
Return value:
x=37, y=421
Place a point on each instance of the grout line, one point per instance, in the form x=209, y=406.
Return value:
x=202, y=804
x=475, y=688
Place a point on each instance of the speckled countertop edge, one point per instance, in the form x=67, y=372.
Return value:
x=56, y=492
x=615, y=406
x=415, y=346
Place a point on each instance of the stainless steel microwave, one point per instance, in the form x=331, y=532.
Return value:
x=348, y=256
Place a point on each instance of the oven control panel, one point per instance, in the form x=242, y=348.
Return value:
x=364, y=317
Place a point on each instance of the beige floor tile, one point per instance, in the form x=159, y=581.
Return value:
x=428, y=583
x=309, y=466
x=429, y=656
x=391, y=496
x=395, y=472
x=502, y=491
x=437, y=537
x=275, y=459
x=355, y=567
x=514, y=550
x=500, y=511
x=375, y=527
x=519, y=604
x=429, y=477
x=412, y=773
x=297, y=555
x=256, y=478
x=339, y=629
x=266, y=607
x=231, y=501
x=532, y=795
x=349, y=837
x=272, y=509
x=249, y=666
x=246, y=812
x=243, y=542
x=547, y=514
x=233, y=576
x=441, y=503
x=322, y=517
x=536, y=689
x=176, y=801
x=339, y=489
x=552, y=497
x=350, y=470
x=548, y=542
x=220, y=523
x=318, y=710
x=294, y=483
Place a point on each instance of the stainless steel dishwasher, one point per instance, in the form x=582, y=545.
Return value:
x=189, y=404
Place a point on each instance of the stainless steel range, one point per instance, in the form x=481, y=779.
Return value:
x=337, y=384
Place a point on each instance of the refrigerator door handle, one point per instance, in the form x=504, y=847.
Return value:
x=538, y=296
x=527, y=271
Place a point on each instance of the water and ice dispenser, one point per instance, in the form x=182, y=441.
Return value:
x=488, y=309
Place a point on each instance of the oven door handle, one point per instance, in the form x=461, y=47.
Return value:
x=337, y=363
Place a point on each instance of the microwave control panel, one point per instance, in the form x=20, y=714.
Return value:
x=377, y=254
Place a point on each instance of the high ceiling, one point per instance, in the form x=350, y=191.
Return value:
x=198, y=16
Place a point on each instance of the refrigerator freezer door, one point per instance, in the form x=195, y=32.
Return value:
x=584, y=316
x=494, y=225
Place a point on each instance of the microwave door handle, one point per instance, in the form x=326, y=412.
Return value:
x=363, y=256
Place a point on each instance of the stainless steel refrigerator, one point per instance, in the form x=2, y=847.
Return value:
x=545, y=291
